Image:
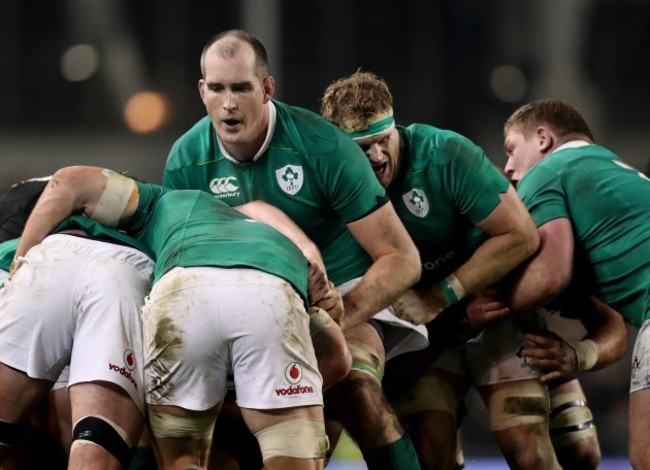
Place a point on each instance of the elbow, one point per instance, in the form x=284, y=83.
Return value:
x=527, y=241
x=550, y=287
x=532, y=296
x=532, y=242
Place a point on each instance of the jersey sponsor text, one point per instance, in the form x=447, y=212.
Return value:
x=294, y=390
x=124, y=372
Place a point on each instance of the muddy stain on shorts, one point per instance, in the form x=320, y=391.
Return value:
x=167, y=342
x=294, y=326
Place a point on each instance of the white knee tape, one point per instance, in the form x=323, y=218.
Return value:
x=166, y=425
x=523, y=402
x=296, y=438
x=571, y=420
x=114, y=199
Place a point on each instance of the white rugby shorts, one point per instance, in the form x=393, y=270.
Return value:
x=400, y=336
x=77, y=301
x=494, y=356
x=199, y=321
x=640, y=375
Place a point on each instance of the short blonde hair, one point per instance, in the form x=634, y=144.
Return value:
x=353, y=102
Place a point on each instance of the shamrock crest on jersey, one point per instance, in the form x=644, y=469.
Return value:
x=290, y=178
x=416, y=202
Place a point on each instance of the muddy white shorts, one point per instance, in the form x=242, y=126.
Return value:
x=199, y=321
x=77, y=301
x=400, y=336
x=640, y=375
x=494, y=356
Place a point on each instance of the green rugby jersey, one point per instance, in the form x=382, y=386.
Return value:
x=191, y=228
x=608, y=204
x=99, y=232
x=445, y=185
x=312, y=171
x=7, y=252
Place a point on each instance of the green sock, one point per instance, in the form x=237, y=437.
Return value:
x=143, y=459
x=398, y=455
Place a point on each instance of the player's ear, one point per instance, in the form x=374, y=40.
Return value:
x=268, y=85
x=545, y=139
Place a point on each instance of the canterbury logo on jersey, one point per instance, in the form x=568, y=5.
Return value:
x=225, y=186
x=416, y=202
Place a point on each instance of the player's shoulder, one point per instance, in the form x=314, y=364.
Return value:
x=191, y=145
x=430, y=145
x=311, y=133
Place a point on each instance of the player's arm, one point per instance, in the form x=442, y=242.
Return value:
x=604, y=344
x=512, y=239
x=276, y=218
x=106, y=196
x=396, y=265
x=548, y=272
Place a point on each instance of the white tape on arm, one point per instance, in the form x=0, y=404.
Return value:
x=586, y=353
x=114, y=199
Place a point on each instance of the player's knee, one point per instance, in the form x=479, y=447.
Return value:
x=296, y=438
x=573, y=432
x=365, y=362
x=165, y=425
x=102, y=432
x=429, y=393
x=9, y=433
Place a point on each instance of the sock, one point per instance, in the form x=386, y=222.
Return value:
x=143, y=459
x=398, y=455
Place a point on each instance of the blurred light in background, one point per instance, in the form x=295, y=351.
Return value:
x=146, y=112
x=508, y=83
x=79, y=62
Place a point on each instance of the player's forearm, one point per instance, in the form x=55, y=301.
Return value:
x=270, y=215
x=388, y=278
x=606, y=327
x=51, y=209
x=495, y=258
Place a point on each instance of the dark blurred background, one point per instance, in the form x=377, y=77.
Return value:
x=114, y=83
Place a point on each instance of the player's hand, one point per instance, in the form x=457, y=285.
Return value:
x=15, y=264
x=417, y=306
x=332, y=303
x=484, y=308
x=317, y=283
x=550, y=354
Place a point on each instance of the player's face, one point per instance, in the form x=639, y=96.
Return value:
x=382, y=151
x=235, y=98
x=523, y=153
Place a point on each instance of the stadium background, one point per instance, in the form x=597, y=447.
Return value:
x=114, y=83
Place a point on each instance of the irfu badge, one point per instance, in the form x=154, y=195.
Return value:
x=290, y=178
x=416, y=202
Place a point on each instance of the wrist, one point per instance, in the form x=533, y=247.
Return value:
x=586, y=354
x=319, y=319
x=452, y=288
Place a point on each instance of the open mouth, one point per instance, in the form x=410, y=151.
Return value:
x=231, y=123
x=379, y=169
